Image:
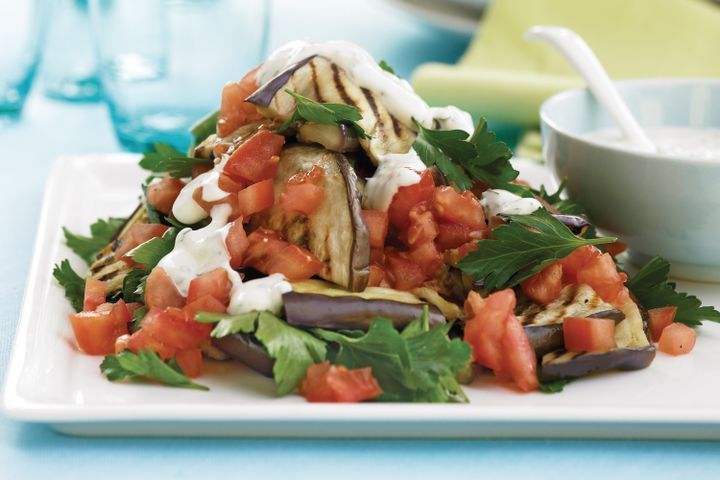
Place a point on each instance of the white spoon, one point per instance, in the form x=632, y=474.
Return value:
x=581, y=57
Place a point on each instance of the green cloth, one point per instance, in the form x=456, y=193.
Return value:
x=505, y=78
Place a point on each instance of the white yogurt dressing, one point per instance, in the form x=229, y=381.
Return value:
x=260, y=294
x=677, y=142
x=185, y=208
x=395, y=170
x=501, y=202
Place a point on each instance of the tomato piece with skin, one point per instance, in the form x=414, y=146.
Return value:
x=228, y=184
x=173, y=327
x=94, y=294
x=162, y=195
x=615, y=248
x=161, y=292
x=427, y=256
x=237, y=243
x=324, y=382
x=422, y=226
x=403, y=273
x=377, y=223
x=215, y=283
x=588, y=334
x=485, y=330
x=190, y=361
x=296, y=263
x=142, y=340
x=263, y=245
x=601, y=274
x=234, y=110
x=97, y=331
x=519, y=360
x=454, y=235
x=138, y=234
x=461, y=208
x=407, y=197
x=257, y=158
x=677, y=339
x=302, y=198
x=658, y=319
x=256, y=198
x=576, y=260
x=205, y=303
x=545, y=286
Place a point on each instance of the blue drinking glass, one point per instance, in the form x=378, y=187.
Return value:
x=20, y=39
x=163, y=63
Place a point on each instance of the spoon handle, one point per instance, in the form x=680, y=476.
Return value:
x=583, y=59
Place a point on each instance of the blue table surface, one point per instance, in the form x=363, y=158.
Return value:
x=50, y=128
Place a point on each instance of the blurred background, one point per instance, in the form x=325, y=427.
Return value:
x=120, y=74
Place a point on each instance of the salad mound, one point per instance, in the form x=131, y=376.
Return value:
x=329, y=229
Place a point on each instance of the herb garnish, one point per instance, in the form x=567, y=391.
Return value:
x=294, y=350
x=384, y=65
x=133, y=288
x=101, y=233
x=562, y=205
x=309, y=110
x=651, y=288
x=151, y=252
x=145, y=364
x=522, y=248
x=71, y=282
x=163, y=158
x=556, y=386
x=464, y=159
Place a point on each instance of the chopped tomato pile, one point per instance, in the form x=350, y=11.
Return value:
x=324, y=382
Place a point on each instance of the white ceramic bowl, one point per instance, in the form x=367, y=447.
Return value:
x=658, y=205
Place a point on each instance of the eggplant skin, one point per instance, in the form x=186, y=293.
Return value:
x=562, y=364
x=247, y=351
x=314, y=310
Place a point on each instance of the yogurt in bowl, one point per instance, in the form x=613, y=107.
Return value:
x=665, y=203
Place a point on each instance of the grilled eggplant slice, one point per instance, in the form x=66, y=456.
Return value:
x=107, y=267
x=323, y=81
x=243, y=348
x=336, y=232
x=561, y=364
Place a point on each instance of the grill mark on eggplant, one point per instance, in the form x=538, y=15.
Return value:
x=315, y=84
x=373, y=106
x=340, y=87
x=102, y=263
x=396, y=125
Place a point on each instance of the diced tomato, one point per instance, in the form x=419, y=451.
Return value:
x=427, y=256
x=314, y=176
x=162, y=195
x=230, y=199
x=377, y=255
x=121, y=311
x=199, y=168
x=403, y=273
x=190, y=361
x=296, y=263
x=229, y=184
x=519, y=360
x=486, y=329
x=602, y=275
x=302, y=198
x=659, y=318
x=205, y=303
x=138, y=234
x=174, y=328
x=422, y=226
x=263, y=245
x=588, y=334
x=215, y=283
x=454, y=255
x=463, y=208
x=94, y=294
x=142, y=340
x=377, y=223
x=677, y=339
x=576, y=260
x=234, y=110
x=545, y=286
x=324, y=382
x=615, y=248
x=96, y=332
x=454, y=235
x=257, y=158
x=377, y=275
x=407, y=197
x=161, y=292
x=256, y=198
x=237, y=243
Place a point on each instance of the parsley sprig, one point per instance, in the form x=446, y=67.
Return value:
x=147, y=365
x=164, y=158
x=522, y=248
x=563, y=205
x=151, y=252
x=308, y=110
x=101, y=233
x=464, y=159
x=651, y=287
x=71, y=282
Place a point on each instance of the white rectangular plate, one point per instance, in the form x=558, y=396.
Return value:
x=49, y=381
